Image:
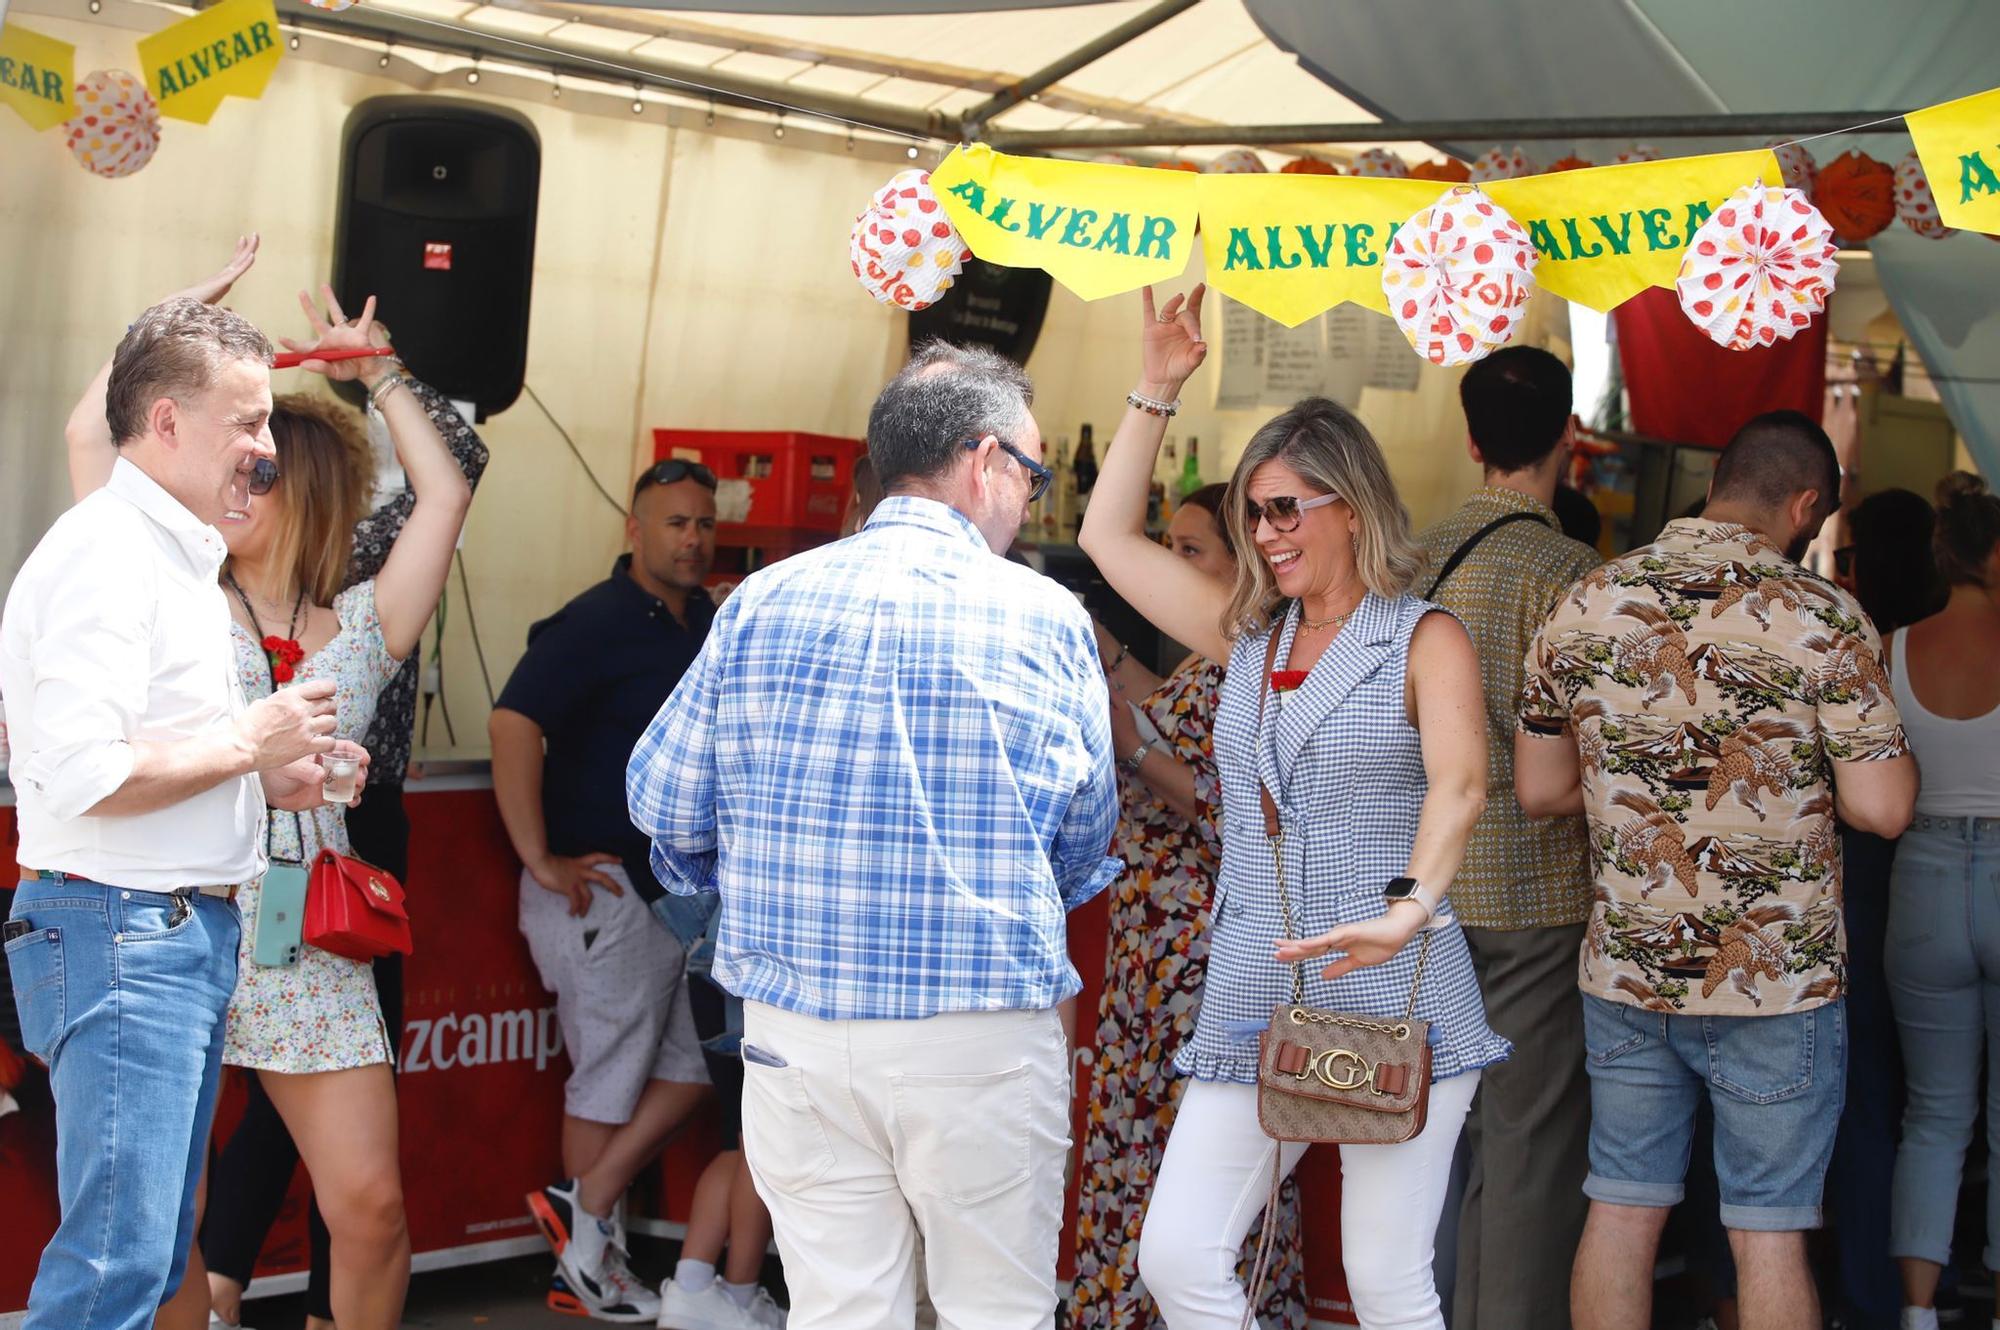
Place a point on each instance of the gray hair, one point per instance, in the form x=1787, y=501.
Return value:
x=944, y=396
x=174, y=350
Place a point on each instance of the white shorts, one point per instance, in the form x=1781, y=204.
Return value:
x=620, y=981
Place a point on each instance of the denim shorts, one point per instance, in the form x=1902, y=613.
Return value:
x=1777, y=1084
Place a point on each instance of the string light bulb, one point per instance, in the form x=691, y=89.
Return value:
x=638, y=105
x=382, y=61
x=912, y=152
x=294, y=43
x=555, y=88
x=778, y=130
x=472, y=74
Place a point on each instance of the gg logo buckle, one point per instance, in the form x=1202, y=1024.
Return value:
x=1337, y=1069
x=375, y=885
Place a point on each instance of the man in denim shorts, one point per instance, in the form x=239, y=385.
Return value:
x=1710, y=705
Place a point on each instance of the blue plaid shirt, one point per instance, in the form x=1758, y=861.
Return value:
x=893, y=760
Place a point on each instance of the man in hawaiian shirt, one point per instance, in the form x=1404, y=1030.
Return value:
x=1710, y=706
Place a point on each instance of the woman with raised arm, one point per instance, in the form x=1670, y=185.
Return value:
x=312, y=1030
x=1376, y=760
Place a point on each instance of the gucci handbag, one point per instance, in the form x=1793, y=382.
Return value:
x=354, y=909
x=1332, y=1077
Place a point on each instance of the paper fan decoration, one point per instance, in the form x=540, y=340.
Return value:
x=1308, y=166
x=1914, y=202
x=1114, y=159
x=1638, y=152
x=1450, y=171
x=904, y=250
x=1570, y=163
x=1758, y=270
x=116, y=128
x=1858, y=196
x=1237, y=161
x=1381, y=164
x=1457, y=276
x=1500, y=164
x=1179, y=164
x=1798, y=165
x=332, y=6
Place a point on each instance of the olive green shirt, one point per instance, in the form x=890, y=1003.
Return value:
x=1518, y=872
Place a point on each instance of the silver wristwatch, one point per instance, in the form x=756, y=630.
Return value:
x=1130, y=765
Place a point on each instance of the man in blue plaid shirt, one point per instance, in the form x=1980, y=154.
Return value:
x=893, y=760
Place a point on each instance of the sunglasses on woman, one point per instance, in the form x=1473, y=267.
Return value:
x=263, y=475
x=1283, y=511
x=1041, y=474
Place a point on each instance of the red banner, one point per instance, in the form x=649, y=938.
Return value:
x=1686, y=389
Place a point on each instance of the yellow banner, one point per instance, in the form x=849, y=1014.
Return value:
x=1097, y=229
x=1959, y=145
x=1294, y=246
x=226, y=51
x=36, y=75
x=1607, y=233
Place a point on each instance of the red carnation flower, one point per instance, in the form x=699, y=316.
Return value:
x=273, y=642
x=281, y=671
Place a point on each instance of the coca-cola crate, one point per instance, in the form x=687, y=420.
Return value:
x=798, y=482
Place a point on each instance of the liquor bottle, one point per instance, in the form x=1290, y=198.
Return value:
x=1056, y=516
x=1167, y=479
x=1191, y=470
x=1083, y=472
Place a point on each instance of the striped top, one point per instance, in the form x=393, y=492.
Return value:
x=1345, y=767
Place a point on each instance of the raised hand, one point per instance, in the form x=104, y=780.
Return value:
x=336, y=332
x=1171, y=343
x=214, y=288
x=1355, y=946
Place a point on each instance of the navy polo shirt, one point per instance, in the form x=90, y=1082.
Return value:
x=595, y=674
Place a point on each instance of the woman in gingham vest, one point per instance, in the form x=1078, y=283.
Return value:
x=1377, y=763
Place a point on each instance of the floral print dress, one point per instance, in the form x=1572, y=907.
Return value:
x=320, y=1013
x=1152, y=989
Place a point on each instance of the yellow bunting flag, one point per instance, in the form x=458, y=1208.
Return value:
x=1606, y=233
x=1097, y=229
x=37, y=75
x=1959, y=145
x=1293, y=246
x=225, y=51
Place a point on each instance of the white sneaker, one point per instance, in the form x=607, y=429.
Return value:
x=765, y=1311
x=710, y=1309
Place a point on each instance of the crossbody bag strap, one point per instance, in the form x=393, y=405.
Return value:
x=1458, y=555
x=1271, y=827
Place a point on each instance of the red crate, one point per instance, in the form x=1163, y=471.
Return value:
x=798, y=482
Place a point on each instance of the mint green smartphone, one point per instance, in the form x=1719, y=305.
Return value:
x=281, y=914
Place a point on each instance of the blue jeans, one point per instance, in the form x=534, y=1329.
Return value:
x=1776, y=1084
x=123, y=994
x=1944, y=979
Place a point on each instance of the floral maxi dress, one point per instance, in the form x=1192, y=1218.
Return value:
x=321, y=1013
x=1152, y=988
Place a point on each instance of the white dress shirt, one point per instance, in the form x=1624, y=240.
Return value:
x=116, y=631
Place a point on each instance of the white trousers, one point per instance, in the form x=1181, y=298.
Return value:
x=1216, y=1177
x=875, y=1133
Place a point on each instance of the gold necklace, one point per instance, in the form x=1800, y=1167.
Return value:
x=1314, y=625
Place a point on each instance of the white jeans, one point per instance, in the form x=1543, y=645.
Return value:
x=1216, y=1177
x=954, y=1128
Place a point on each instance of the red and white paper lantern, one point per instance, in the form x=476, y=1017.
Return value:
x=1500, y=164
x=1914, y=202
x=1238, y=161
x=1458, y=277
x=1381, y=164
x=116, y=128
x=903, y=249
x=1759, y=270
x=1798, y=165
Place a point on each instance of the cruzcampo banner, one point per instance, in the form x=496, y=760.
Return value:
x=36, y=75
x=1097, y=229
x=228, y=50
x=1606, y=233
x=1959, y=145
x=1294, y=246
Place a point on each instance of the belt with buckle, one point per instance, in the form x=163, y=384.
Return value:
x=57, y=879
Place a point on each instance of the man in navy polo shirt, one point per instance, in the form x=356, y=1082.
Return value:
x=594, y=675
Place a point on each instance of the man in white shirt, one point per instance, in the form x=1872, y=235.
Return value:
x=141, y=776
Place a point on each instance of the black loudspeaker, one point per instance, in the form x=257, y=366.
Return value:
x=989, y=306
x=437, y=221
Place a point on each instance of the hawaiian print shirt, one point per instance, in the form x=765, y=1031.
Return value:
x=1708, y=682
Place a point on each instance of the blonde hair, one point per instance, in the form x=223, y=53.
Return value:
x=1332, y=451
x=326, y=478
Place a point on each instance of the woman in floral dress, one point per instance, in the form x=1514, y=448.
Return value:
x=1170, y=840
x=312, y=1031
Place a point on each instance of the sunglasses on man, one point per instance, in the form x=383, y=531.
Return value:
x=1041, y=474
x=672, y=472
x=1283, y=511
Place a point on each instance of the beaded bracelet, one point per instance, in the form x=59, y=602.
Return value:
x=1152, y=406
x=387, y=384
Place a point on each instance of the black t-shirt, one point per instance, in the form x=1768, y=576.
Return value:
x=594, y=676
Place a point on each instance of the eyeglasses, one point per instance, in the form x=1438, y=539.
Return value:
x=263, y=475
x=1041, y=474
x=1283, y=512
x=672, y=472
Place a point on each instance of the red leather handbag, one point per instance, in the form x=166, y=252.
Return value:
x=354, y=909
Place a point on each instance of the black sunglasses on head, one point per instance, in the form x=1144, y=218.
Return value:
x=672, y=472
x=1041, y=474
x=263, y=475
